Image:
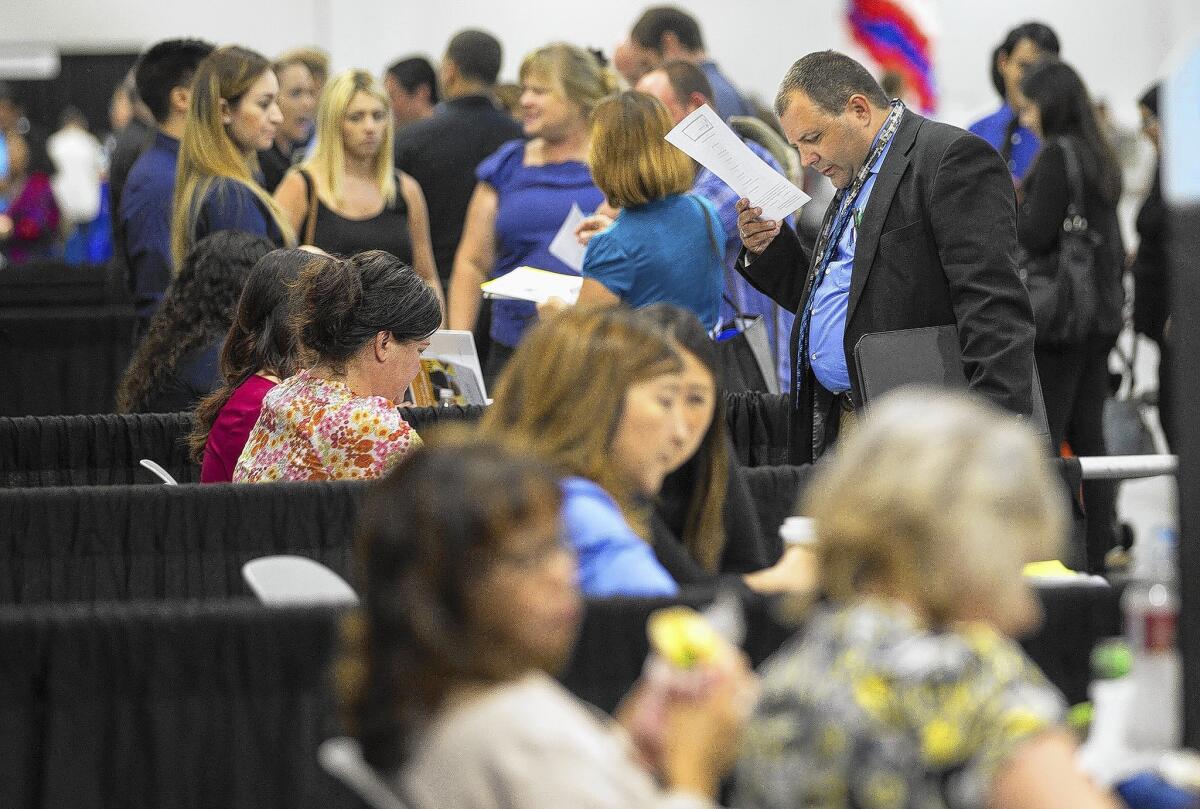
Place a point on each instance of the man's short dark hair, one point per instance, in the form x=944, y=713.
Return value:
x=414, y=72
x=648, y=31
x=1040, y=34
x=828, y=78
x=167, y=65
x=685, y=79
x=476, y=54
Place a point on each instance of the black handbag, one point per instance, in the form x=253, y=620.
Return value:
x=744, y=350
x=1062, y=285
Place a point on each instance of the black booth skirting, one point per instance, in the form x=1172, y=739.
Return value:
x=758, y=426
x=204, y=704
x=91, y=450
x=125, y=543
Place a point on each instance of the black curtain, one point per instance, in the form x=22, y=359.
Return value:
x=758, y=426
x=85, y=81
x=91, y=450
x=125, y=543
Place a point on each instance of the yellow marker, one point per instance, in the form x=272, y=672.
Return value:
x=682, y=637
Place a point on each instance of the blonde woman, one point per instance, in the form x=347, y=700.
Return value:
x=348, y=197
x=665, y=245
x=905, y=688
x=527, y=188
x=233, y=115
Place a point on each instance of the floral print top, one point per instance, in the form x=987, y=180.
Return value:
x=866, y=708
x=318, y=429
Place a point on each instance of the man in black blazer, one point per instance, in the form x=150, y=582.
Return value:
x=442, y=151
x=922, y=232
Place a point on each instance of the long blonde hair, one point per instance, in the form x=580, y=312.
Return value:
x=329, y=160
x=208, y=153
x=562, y=395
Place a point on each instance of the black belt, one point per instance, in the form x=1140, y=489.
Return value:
x=844, y=401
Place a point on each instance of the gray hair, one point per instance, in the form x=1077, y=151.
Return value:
x=829, y=78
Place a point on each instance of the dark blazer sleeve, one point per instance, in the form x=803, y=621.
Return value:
x=779, y=272
x=973, y=217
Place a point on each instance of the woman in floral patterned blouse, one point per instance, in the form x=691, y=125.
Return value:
x=366, y=320
x=905, y=689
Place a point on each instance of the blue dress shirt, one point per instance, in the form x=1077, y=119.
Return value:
x=613, y=560
x=1025, y=144
x=146, y=204
x=827, y=328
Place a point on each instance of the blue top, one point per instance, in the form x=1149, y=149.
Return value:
x=613, y=560
x=532, y=203
x=231, y=205
x=1025, y=144
x=746, y=299
x=146, y=204
x=827, y=329
x=726, y=98
x=668, y=250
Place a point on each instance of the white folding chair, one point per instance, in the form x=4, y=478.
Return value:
x=162, y=474
x=291, y=580
x=342, y=759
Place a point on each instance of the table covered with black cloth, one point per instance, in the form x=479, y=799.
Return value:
x=103, y=543
x=222, y=703
x=90, y=450
x=758, y=426
x=104, y=449
x=187, y=705
x=63, y=359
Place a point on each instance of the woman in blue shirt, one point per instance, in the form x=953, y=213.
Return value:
x=665, y=246
x=232, y=116
x=597, y=394
x=526, y=190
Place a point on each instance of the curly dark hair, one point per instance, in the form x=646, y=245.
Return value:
x=197, y=310
x=423, y=541
x=261, y=338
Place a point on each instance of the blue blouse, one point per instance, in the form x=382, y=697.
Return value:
x=231, y=205
x=532, y=203
x=613, y=560
x=666, y=251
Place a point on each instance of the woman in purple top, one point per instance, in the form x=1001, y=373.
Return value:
x=526, y=190
x=259, y=352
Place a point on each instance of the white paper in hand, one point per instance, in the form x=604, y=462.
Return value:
x=531, y=284
x=566, y=247
x=708, y=140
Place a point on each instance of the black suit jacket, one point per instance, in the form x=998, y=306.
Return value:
x=936, y=246
x=441, y=153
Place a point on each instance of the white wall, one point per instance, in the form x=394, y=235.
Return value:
x=1118, y=45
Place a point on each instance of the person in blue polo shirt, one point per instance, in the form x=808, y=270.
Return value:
x=163, y=76
x=1023, y=47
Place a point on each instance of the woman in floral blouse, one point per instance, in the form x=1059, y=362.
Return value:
x=366, y=320
x=905, y=689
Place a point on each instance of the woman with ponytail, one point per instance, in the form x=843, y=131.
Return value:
x=259, y=352
x=365, y=321
x=233, y=115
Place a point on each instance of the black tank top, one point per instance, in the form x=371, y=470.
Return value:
x=339, y=236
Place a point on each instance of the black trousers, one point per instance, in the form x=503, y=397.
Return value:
x=1075, y=383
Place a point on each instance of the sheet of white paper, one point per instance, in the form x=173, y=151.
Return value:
x=565, y=247
x=709, y=141
x=531, y=284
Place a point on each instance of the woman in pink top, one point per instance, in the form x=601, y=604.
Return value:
x=259, y=351
x=365, y=320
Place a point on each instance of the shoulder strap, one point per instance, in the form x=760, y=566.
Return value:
x=310, y=219
x=1076, y=210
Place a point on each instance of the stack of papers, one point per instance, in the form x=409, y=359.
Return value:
x=532, y=284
